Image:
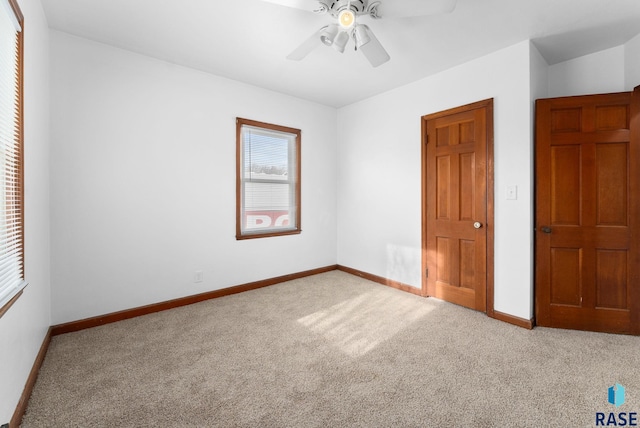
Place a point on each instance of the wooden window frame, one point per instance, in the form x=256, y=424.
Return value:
x=20, y=140
x=240, y=122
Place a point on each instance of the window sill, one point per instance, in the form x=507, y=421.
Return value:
x=5, y=307
x=269, y=234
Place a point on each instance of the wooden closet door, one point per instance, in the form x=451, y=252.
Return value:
x=587, y=217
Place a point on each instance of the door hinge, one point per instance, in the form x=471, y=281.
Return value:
x=426, y=272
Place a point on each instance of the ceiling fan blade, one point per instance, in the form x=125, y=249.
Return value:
x=409, y=8
x=308, y=5
x=307, y=46
x=373, y=50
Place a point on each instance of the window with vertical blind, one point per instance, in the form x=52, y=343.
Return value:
x=267, y=179
x=11, y=174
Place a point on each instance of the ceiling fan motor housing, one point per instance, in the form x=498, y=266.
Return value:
x=357, y=6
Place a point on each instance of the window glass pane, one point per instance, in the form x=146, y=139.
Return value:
x=272, y=196
x=266, y=154
x=268, y=205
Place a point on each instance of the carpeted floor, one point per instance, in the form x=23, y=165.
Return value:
x=332, y=350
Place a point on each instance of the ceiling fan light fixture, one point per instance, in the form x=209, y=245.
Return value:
x=341, y=41
x=361, y=36
x=328, y=35
x=346, y=18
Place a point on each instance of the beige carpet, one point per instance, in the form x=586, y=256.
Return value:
x=331, y=350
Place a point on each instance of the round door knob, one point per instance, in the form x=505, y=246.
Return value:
x=477, y=225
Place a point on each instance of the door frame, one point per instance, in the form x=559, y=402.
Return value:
x=488, y=105
x=634, y=143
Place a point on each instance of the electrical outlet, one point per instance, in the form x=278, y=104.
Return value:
x=198, y=276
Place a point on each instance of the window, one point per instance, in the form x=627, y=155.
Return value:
x=267, y=180
x=11, y=178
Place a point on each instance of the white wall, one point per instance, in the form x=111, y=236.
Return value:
x=598, y=73
x=632, y=63
x=379, y=146
x=539, y=76
x=143, y=181
x=24, y=326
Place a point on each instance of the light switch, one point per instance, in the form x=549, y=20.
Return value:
x=512, y=192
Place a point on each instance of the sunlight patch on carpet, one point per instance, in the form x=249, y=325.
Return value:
x=358, y=325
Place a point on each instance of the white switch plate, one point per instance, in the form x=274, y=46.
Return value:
x=198, y=276
x=512, y=192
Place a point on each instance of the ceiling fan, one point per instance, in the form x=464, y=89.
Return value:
x=347, y=14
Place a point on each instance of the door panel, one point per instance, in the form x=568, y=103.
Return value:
x=565, y=184
x=612, y=176
x=565, y=276
x=611, y=279
x=454, y=198
x=587, y=182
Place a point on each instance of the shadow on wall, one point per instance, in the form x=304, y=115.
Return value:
x=404, y=264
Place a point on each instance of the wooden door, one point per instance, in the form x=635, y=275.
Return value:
x=455, y=175
x=587, y=216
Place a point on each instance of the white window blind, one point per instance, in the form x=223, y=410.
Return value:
x=269, y=180
x=11, y=216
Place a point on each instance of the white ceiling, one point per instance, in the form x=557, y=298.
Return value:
x=248, y=40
